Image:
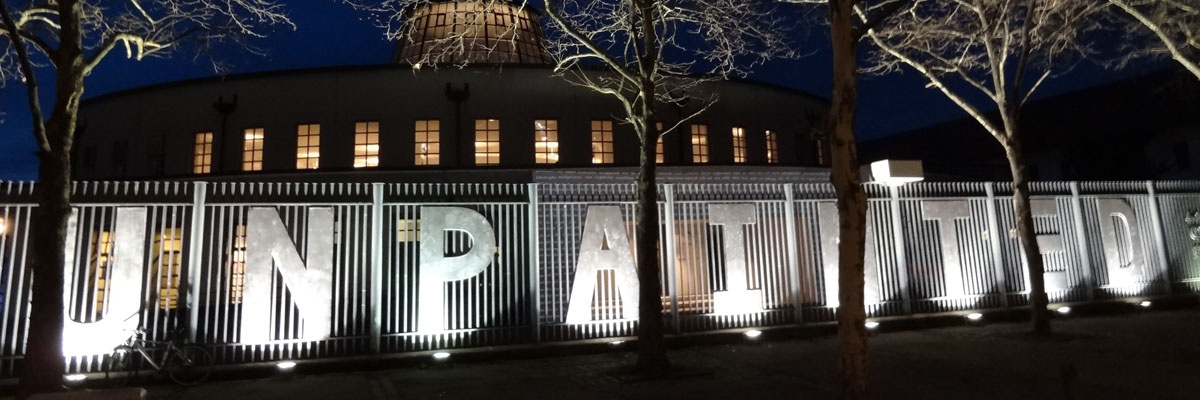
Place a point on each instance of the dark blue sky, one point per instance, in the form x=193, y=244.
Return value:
x=330, y=34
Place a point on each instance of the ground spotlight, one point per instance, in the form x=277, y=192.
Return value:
x=76, y=378
x=616, y=343
x=1145, y=304
x=1064, y=310
x=441, y=356
x=753, y=334
x=286, y=365
x=974, y=316
x=871, y=324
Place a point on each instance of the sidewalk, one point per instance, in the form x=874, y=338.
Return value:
x=1135, y=356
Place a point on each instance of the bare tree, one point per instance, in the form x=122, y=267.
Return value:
x=1173, y=27
x=73, y=37
x=649, y=55
x=1000, y=51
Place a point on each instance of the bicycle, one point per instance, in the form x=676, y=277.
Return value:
x=186, y=364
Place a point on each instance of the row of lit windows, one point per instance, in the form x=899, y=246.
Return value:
x=427, y=142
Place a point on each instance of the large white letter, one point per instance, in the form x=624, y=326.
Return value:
x=437, y=269
x=736, y=298
x=605, y=245
x=828, y=218
x=123, y=287
x=1111, y=212
x=1048, y=244
x=267, y=243
x=945, y=213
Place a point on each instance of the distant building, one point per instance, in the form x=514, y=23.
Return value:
x=506, y=114
x=1143, y=128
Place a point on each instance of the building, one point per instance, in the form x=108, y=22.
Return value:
x=505, y=113
x=1141, y=128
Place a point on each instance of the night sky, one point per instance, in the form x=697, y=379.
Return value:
x=330, y=34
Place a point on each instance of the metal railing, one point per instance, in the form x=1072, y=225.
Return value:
x=932, y=247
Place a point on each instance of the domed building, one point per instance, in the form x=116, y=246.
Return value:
x=489, y=111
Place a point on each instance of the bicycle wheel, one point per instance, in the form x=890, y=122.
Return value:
x=118, y=367
x=190, y=364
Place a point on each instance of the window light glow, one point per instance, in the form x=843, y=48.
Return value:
x=602, y=142
x=739, y=145
x=366, y=144
x=308, y=146
x=659, y=151
x=252, y=149
x=428, y=142
x=699, y=144
x=487, y=142
x=202, y=154
x=772, y=147
x=3, y=226
x=545, y=146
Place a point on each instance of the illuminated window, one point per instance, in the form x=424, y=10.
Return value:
x=487, y=141
x=699, y=143
x=168, y=252
x=602, y=142
x=308, y=146
x=772, y=147
x=408, y=230
x=428, y=142
x=739, y=145
x=202, y=155
x=237, y=266
x=659, y=153
x=545, y=145
x=252, y=150
x=98, y=261
x=366, y=144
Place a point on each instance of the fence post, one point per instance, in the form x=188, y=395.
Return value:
x=669, y=254
x=199, y=195
x=898, y=240
x=789, y=212
x=994, y=237
x=1159, y=242
x=1085, y=257
x=535, y=292
x=377, y=190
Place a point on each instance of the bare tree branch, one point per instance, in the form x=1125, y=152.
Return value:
x=1174, y=23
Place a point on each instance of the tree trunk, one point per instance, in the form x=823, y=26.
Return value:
x=43, y=366
x=1023, y=216
x=851, y=204
x=652, y=354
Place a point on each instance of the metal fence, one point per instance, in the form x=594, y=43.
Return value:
x=274, y=271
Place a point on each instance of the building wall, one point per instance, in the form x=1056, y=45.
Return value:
x=157, y=125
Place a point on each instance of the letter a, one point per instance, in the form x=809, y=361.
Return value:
x=604, y=225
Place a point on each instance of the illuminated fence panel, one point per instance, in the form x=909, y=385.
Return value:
x=490, y=307
x=1181, y=228
x=274, y=271
x=226, y=276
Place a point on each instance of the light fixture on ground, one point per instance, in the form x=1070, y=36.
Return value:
x=75, y=378
x=1145, y=304
x=441, y=356
x=753, y=334
x=286, y=365
x=616, y=343
x=893, y=172
x=1064, y=310
x=871, y=324
x=974, y=316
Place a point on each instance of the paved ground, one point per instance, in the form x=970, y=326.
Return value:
x=1136, y=356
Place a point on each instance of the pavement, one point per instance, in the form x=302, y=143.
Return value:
x=1151, y=355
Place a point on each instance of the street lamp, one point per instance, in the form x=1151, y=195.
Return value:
x=893, y=172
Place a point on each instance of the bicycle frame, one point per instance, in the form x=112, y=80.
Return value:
x=140, y=346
